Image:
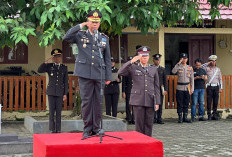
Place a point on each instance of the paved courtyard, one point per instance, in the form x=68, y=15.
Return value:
x=199, y=139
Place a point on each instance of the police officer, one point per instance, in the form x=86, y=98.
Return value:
x=214, y=85
x=111, y=92
x=163, y=87
x=126, y=90
x=57, y=88
x=90, y=62
x=185, y=86
x=145, y=92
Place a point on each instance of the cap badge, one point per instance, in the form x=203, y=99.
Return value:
x=95, y=14
x=144, y=49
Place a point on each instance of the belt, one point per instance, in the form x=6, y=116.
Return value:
x=212, y=84
x=179, y=83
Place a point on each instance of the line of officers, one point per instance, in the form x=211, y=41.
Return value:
x=192, y=81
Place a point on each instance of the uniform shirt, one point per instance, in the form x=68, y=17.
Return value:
x=199, y=83
x=162, y=77
x=185, y=75
x=89, y=61
x=210, y=72
x=145, y=90
x=58, y=78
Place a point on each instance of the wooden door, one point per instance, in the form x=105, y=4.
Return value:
x=200, y=46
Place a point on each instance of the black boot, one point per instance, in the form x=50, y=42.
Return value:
x=209, y=117
x=185, y=119
x=180, y=120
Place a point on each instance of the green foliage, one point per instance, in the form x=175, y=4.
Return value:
x=48, y=20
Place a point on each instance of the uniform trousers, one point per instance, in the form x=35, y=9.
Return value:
x=111, y=101
x=212, y=94
x=144, y=117
x=55, y=106
x=129, y=111
x=90, y=104
x=182, y=98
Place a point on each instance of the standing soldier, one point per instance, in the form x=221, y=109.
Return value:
x=145, y=93
x=126, y=91
x=111, y=92
x=88, y=67
x=57, y=88
x=163, y=87
x=214, y=85
x=185, y=87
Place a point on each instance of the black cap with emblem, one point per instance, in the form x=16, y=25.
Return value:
x=157, y=56
x=94, y=16
x=56, y=52
x=144, y=50
x=183, y=55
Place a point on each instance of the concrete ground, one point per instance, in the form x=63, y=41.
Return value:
x=199, y=139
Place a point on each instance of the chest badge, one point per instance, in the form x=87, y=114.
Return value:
x=51, y=74
x=84, y=45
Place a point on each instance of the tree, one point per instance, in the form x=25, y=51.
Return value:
x=48, y=20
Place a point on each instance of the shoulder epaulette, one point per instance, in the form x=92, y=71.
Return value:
x=104, y=35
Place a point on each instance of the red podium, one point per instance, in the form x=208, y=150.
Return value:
x=134, y=144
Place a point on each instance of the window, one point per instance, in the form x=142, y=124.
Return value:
x=68, y=56
x=17, y=54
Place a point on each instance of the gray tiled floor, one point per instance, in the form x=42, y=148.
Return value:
x=199, y=139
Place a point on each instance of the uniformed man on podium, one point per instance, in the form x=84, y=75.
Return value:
x=57, y=88
x=88, y=65
x=145, y=92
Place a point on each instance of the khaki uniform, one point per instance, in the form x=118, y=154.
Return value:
x=184, y=84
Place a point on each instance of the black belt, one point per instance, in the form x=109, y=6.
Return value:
x=179, y=83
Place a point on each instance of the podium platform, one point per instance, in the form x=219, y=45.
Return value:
x=134, y=144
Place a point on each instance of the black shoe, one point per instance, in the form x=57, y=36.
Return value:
x=193, y=119
x=185, y=119
x=209, y=117
x=214, y=118
x=52, y=132
x=180, y=120
x=155, y=121
x=160, y=121
x=58, y=131
x=85, y=135
x=202, y=119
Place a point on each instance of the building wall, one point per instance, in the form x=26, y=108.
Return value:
x=224, y=54
x=144, y=40
x=35, y=57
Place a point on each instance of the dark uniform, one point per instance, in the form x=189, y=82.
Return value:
x=145, y=93
x=163, y=87
x=88, y=67
x=111, y=93
x=56, y=89
x=214, y=83
x=126, y=88
x=185, y=79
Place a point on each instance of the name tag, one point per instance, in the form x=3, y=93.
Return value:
x=138, y=71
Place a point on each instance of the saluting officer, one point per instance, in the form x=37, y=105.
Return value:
x=111, y=92
x=88, y=68
x=57, y=88
x=214, y=85
x=185, y=87
x=145, y=92
x=163, y=87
